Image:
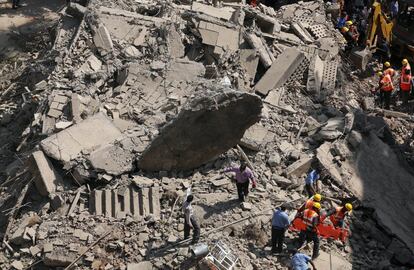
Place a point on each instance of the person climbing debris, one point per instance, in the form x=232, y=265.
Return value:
x=385, y=89
x=311, y=185
x=337, y=215
x=311, y=219
x=280, y=223
x=309, y=203
x=190, y=221
x=299, y=261
x=243, y=177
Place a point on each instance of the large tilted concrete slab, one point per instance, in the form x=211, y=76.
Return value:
x=384, y=183
x=47, y=179
x=86, y=136
x=280, y=71
x=332, y=261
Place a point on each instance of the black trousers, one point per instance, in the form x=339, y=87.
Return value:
x=309, y=190
x=16, y=3
x=385, y=98
x=309, y=236
x=405, y=95
x=242, y=190
x=196, y=229
x=278, y=237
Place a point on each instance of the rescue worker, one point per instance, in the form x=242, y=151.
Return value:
x=311, y=219
x=299, y=261
x=405, y=65
x=280, y=223
x=337, y=215
x=351, y=42
x=405, y=86
x=243, y=176
x=309, y=203
x=385, y=87
x=353, y=30
x=388, y=69
x=190, y=221
x=311, y=182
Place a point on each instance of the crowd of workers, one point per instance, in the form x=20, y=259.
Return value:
x=386, y=89
x=310, y=212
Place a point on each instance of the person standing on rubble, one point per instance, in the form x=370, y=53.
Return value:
x=388, y=69
x=385, y=87
x=405, y=87
x=337, y=215
x=243, y=176
x=310, y=233
x=405, y=65
x=311, y=182
x=190, y=221
x=299, y=261
x=280, y=223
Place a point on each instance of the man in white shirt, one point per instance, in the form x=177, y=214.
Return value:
x=190, y=221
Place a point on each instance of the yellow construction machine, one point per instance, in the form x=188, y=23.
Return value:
x=397, y=33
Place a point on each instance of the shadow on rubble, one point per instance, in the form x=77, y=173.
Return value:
x=382, y=180
x=219, y=207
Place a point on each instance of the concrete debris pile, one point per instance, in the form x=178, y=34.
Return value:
x=149, y=98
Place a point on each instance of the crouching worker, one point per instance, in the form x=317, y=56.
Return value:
x=337, y=215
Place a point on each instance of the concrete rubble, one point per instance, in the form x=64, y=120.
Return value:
x=106, y=126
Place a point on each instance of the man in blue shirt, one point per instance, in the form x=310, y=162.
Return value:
x=311, y=182
x=300, y=261
x=280, y=223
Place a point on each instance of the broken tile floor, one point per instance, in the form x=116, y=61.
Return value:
x=109, y=114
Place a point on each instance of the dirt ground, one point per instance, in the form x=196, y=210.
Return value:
x=29, y=18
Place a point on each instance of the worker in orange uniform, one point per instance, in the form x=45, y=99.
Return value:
x=385, y=87
x=337, y=215
x=389, y=70
x=311, y=219
x=309, y=203
x=405, y=65
x=405, y=86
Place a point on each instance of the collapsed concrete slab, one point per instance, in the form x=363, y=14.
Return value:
x=280, y=71
x=47, y=179
x=326, y=160
x=266, y=58
x=220, y=37
x=299, y=167
x=332, y=261
x=112, y=159
x=208, y=125
x=85, y=136
x=254, y=137
x=382, y=182
x=249, y=61
x=302, y=32
x=224, y=13
x=103, y=40
x=185, y=70
x=315, y=75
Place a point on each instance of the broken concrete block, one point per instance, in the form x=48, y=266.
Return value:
x=175, y=44
x=19, y=235
x=141, y=181
x=140, y=40
x=360, y=57
x=266, y=58
x=219, y=36
x=281, y=69
x=266, y=23
x=102, y=40
x=301, y=32
x=92, y=64
x=315, y=75
x=254, y=137
x=246, y=206
x=88, y=134
x=47, y=179
x=224, y=13
x=112, y=159
x=18, y=265
x=184, y=70
x=34, y=250
x=56, y=259
x=62, y=125
x=326, y=160
x=332, y=261
x=249, y=61
x=281, y=181
x=299, y=167
x=209, y=124
x=47, y=247
x=76, y=10
x=132, y=52
x=140, y=266
x=332, y=130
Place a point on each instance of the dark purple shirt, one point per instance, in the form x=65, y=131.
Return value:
x=241, y=177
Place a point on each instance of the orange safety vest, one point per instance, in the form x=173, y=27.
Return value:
x=386, y=83
x=405, y=82
x=308, y=217
x=390, y=71
x=405, y=67
x=338, y=216
x=309, y=204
